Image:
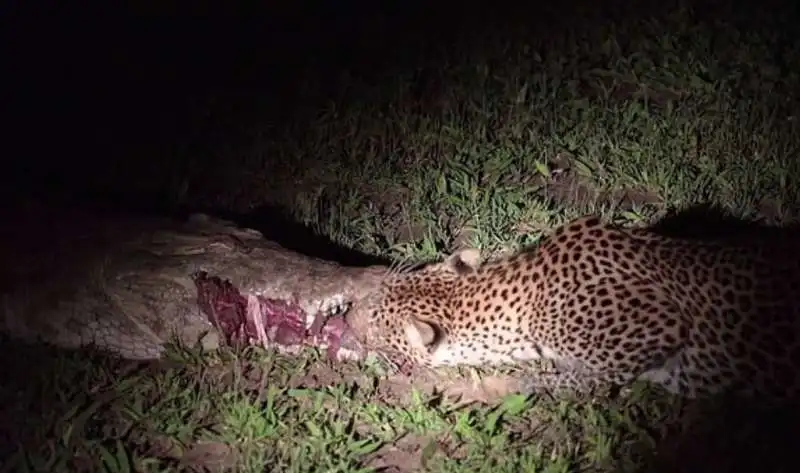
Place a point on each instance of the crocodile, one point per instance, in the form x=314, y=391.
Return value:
x=130, y=285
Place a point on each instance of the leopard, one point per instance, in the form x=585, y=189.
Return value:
x=607, y=306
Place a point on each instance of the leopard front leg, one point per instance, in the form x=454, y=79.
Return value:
x=573, y=381
x=636, y=339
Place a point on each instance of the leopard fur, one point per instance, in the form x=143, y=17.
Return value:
x=607, y=306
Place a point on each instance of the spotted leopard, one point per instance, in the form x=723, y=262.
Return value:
x=607, y=305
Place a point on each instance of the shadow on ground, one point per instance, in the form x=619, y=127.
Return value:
x=273, y=221
x=711, y=222
x=728, y=436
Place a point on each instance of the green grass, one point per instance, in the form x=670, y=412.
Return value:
x=511, y=137
x=499, y=143
x=244, y=411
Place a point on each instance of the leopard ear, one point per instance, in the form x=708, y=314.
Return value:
x=464, y=261
x=423, y=335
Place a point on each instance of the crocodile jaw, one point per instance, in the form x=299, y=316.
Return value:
x=252, y=319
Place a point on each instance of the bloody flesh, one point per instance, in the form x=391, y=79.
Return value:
x=251, y=319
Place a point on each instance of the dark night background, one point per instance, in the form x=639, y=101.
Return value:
x=98, y=93
x=120, y=104
x=96, y=86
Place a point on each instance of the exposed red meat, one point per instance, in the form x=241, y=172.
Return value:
x=246, y=320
